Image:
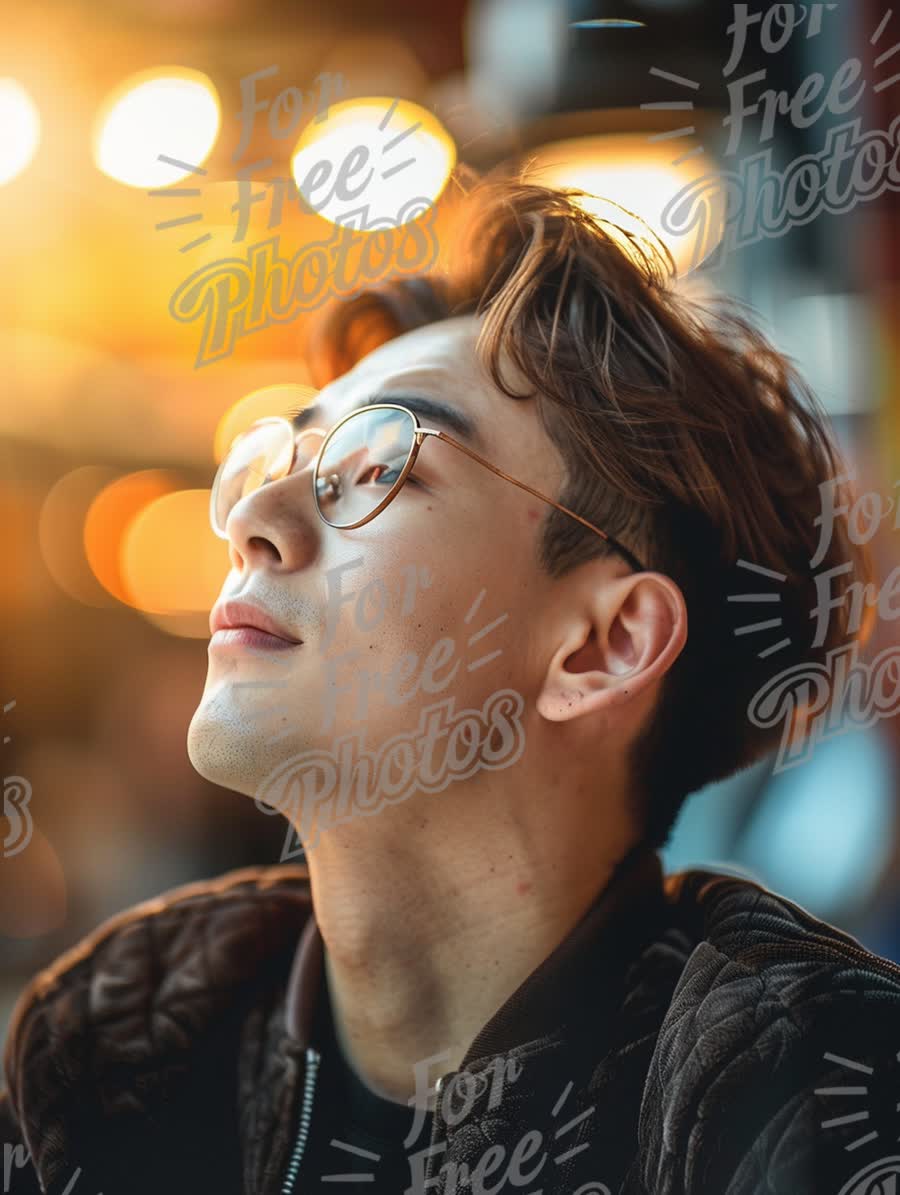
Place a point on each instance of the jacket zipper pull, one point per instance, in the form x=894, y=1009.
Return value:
x=439, y=1086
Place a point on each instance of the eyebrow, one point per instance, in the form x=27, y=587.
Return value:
x=430, y=409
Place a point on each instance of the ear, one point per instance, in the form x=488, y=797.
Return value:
x=611, y=651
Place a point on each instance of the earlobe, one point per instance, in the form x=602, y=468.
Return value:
x=627, y=640
x=571, y=701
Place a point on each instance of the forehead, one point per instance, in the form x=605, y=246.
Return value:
x=438, y=358
x=440, y=361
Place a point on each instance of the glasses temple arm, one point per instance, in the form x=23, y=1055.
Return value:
x=629, y=556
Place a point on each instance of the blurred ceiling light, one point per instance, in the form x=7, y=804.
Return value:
x=168, y=111
x=626, y=170
x=377, y=155
x=606, y=23
x=20, y=129
x=171, y=561
x=109, y=517
x=269, y=400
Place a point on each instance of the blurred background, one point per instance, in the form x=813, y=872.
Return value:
x=133, y=134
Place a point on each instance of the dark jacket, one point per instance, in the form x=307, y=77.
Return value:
x=683, y=1038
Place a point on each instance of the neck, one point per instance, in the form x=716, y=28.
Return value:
x=433, y=912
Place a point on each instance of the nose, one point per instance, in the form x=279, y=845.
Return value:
x=277, y=524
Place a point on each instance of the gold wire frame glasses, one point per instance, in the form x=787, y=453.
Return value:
x=370, y=442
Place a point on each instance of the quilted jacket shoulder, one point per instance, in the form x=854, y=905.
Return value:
x=116, y=1024
x=774, y=1068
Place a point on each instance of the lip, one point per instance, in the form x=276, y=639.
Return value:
x=234, y=615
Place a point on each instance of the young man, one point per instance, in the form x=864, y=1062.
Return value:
x=480, y=671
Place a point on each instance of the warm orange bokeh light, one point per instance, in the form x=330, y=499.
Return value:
x=629, y=180
x=108, y=519
x=269, y=400
x=171, y=561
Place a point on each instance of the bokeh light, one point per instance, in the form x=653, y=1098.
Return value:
x=377, y=153
x=20, y=129
x=628, y=171
x=268, y=400
x=172, y=111
x=171, y=561
x=108, y=518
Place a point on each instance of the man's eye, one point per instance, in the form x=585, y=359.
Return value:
x=381, y=475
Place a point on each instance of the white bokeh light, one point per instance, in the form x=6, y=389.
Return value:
x=173, y=112
x=20, y=129
x=391, y=153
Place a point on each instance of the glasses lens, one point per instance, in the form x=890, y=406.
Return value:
x=262, y=454
x=361, y=462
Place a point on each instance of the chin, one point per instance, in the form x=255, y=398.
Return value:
x=231, y=748
x=214, y=750
x=199, y=742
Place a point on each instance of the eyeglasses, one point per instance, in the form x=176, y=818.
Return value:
x=359, y=467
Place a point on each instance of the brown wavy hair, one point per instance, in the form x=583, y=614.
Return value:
x=684, y=434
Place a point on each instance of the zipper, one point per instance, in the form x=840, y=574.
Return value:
x=313, y=1058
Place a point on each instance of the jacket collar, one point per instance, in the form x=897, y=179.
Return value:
x=577, y=978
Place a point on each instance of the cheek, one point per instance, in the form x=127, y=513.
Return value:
x=383, y=617
x=448, y=640
x=440, y=597
x=397, y=606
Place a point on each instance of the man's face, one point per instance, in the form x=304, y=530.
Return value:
x=389, y=613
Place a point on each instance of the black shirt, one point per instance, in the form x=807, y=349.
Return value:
x=354, y=1131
